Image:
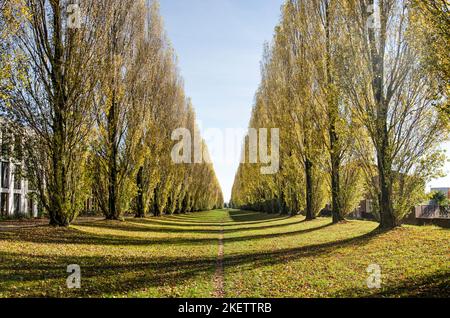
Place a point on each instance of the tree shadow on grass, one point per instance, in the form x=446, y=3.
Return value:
x=272, y=235
x=105, y=275
x=436, y=285
x=145, y=225
x=81, y=235
x=142, y=226
x=192, y=218
x=264, y=227
x=251, y=217
x=73, y=236
x=282, y=255
x=101, y=276
x=78, y=237
x=187, y=240
x=237, y=218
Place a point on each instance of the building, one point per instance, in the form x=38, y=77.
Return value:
x=364, y=211
x=16, y=198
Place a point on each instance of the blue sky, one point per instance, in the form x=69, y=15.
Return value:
x=219, y=44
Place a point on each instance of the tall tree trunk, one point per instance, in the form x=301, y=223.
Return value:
x=309, y=190
x=57, y=188
x=335, y=189
x=333, y=115
x=113, y=154
x=382, y=136
x=156, y=209
x=387, y=218
x=335, y=167
x=140, y=209
x=113, y=135
x=58, y=215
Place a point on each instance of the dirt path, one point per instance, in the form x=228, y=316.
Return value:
x=219, y=290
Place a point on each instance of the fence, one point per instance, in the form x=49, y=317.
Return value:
x=432, y=212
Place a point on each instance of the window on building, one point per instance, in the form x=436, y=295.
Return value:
x=4, y=204
x=5, y=175
x=18, y=177
x=17, y=202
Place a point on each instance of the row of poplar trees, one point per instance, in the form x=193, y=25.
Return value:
x=95, y=89
x=359, y=91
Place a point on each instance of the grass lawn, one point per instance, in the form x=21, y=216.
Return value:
x=264, y=256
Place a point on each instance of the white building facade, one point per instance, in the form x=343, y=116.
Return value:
x=16, y=198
